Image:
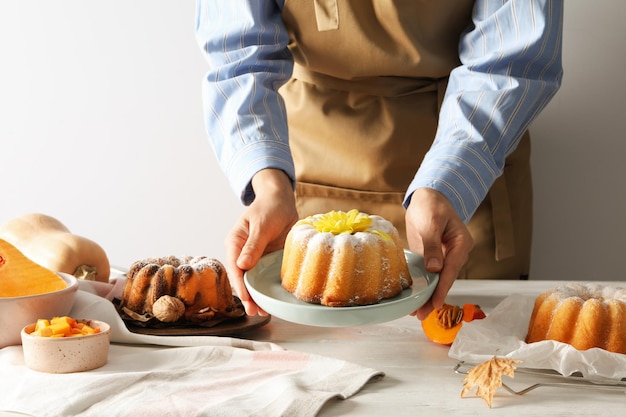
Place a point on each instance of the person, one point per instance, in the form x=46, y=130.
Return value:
x=416, y=111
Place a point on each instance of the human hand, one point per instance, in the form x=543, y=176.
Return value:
x=261, y=229
x=435, y=230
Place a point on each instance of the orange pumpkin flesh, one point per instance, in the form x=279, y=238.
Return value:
x=442, y=324
x=20, y=276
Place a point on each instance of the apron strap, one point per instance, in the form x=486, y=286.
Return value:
x=326, y=14
x=502, y=219
x=442, y=84
x=376, y=86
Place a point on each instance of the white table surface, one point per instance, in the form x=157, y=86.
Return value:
x=420, y=377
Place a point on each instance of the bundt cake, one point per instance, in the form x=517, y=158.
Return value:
x=582, y=315
x=344, y=259
x=191, y=288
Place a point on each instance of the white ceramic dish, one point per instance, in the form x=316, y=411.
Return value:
x=17, y=312
x=263, y=283
x=59, y=355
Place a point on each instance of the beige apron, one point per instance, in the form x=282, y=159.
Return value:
x=363, y=105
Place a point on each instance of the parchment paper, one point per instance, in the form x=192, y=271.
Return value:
x=503, y=331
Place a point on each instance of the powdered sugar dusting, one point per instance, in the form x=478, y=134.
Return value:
x=307, y=240
x=587, y=291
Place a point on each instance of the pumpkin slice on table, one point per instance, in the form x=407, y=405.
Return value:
x=50, y=243
x=20, y=276
x=442, y=324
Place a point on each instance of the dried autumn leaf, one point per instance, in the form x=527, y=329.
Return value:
x=487, y=377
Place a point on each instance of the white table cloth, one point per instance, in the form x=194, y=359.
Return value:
x=419, y=375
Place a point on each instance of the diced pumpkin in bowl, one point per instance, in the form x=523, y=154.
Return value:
x=63, y=351
x=63, y=327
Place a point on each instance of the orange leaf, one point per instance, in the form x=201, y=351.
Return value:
x=487, y=377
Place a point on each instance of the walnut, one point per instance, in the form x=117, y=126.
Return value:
x=168, y=309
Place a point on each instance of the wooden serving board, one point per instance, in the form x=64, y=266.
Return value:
x=226, y=328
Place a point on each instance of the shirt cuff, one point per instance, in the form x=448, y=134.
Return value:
x=253, y=158
x=458, y=171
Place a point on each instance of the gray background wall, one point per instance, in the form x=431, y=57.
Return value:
x=101, y=126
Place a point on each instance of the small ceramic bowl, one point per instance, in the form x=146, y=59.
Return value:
x=59, y=355
x=17, y=312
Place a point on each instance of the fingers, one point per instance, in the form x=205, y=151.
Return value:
x=235, y=275
x=454, y=261
x=434, y=227
x=261, y=229
x=251, y=252
x=248, y=258
x=434, y=263
x=433, y=254
x=423, y=311
x=233, y=244
x=447, y=276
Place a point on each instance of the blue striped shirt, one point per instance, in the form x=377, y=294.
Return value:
x=510, y=69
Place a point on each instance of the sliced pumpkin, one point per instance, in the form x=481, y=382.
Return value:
x=442, y=324
x=20, y=276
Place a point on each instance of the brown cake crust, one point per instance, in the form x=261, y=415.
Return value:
x=201, y=283
x=582, y=315
x=344, y=269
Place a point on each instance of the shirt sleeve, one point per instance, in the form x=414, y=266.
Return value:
x=510, y=69
x=245, y=43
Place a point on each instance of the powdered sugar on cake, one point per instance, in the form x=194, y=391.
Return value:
x=342, y=259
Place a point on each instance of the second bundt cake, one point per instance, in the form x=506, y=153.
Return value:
x=344, y=259
x=582, y=315
x=191, y=288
